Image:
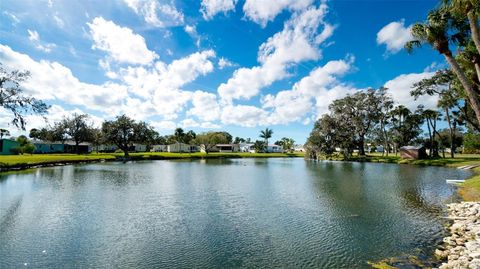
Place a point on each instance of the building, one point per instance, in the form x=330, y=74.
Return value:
x=106, y=148
x=42, y=147
x=227, y=148
x=159, y=148
x=182, y=147
x=274, y=149
x=139, y=148
x=8, y=146
x=246, y=147
x=413, y=152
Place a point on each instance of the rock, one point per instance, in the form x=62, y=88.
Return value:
x=441, y=254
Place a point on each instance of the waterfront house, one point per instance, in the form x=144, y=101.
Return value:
x=182, y=147
x=8, y=146
x=227, y=148
x=274, y=149
x=413, y=152
x=246, y=147
x=42, y=147
x=159, y=148
x=139, y=148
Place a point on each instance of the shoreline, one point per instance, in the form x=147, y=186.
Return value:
x=462, y=248
x=67, y=159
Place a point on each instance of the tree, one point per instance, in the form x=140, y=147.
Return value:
x=13, y=99
x=286, y=143
x=239, y=140
x=435, y=32
x=4, y=132
x=361, y=110
x=25, y=146
x=266, y=134
x=259, y=146
x=210, y=139
x=431, y=117
x=330, y=131
x=471, y=142
x=467, y=9
x=97, y=138
x=405, y=126
x=77, y=128
x=450, y=101
x=179, y=135
x=124, y=131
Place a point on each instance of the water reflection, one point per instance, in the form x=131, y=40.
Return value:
x=219, y=213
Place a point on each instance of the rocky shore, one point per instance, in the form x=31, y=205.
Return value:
x=462, y=248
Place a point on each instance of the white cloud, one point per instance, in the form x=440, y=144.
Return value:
x=58, y=21
x=264, y=11
x=223, y=63
x=394, y=35
x=297, y=42
x=162, y=83
x=12, y=17
x=157, y=14
x=243, y=115
x=401, y=86
x=320, y=87
x=210, y=8
x=120, y=43
x=51, y=80
x=205, y=106
x=34, y=37
x=191, y=30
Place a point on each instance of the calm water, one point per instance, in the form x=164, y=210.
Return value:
x=220, y=213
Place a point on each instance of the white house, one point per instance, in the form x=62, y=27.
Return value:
x=227, y=147
x=182, y=147
x=274, y=148
x=246, y=147
x=159, y=148
x=107, y=148
x=140, y=147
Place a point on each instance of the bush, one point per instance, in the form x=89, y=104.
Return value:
x=471, y=143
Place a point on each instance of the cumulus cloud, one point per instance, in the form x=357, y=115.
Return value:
x=394, y=35
x=34, y=37
x=210, y=8
x=120, y=43
x=297, y=42
x=205, y=106
x=262, y=12
x=401, y=86
x=223, y=63
x=157, y=14
x=51, y=80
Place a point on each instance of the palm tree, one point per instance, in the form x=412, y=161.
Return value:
x=179, y=135
x=435, y=33
x=471, y=10
x=266, y=134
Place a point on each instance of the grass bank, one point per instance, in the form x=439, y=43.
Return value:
x=18, y=162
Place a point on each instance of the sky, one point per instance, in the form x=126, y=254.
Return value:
x=234, y=65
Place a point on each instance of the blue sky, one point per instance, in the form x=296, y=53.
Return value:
x=205, y=65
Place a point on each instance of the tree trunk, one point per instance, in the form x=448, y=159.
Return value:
x=429, y=138
x=472, y=19
x=76, y=147
x=449, y=121
x=477, y=68
x=472, y=96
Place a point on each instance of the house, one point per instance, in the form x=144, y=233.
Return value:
x=299, y=148
x=246, y=147
x=7, y=146
x=274, y=148
x=413, y=152
x=139, y=148
x=227, y=148
x=182, y=147
x=159, y=148
x=42, y=147
x=106, y=148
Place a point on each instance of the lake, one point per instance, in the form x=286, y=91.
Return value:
x=224, y=213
